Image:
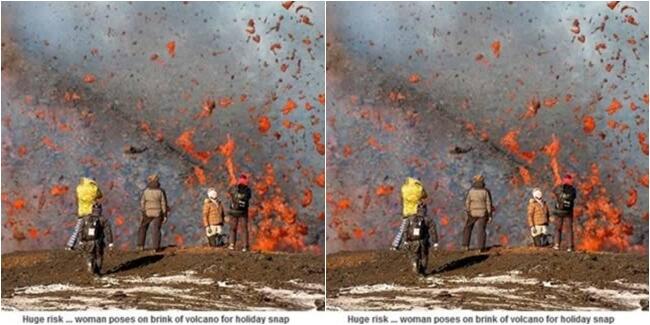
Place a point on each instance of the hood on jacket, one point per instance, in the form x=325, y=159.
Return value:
x=412, y=194
x=84, y=181
x=87, y=194
x=413, y=191
x=478, y=184
x=410, y=181
x=153, y=181
x=478, y=181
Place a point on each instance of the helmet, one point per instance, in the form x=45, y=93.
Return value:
x=97, y=209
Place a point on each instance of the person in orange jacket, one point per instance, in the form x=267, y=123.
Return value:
x=213, y=218
x=538, y=217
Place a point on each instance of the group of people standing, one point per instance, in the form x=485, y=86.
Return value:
x=539, y=214
x=94, y=234
x=214, y=215
x=418, y=233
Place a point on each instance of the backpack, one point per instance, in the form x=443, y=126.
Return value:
x=91, y=229
x=565, y=199
x=240, y=199
x=416, y=229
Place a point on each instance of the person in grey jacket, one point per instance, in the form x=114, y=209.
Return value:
x=478, y=208
x=153, y=208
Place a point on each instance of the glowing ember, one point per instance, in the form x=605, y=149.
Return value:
x=171, y=48
x=59, y=190
x=496, y=48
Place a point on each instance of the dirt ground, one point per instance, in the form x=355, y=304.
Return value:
x=503, y=278
x=186, y=279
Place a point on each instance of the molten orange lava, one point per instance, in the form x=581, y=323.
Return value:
x=227, y=149
x=414, y=78
x=279, y=228
x=643, y=142
x=224, y=102
x=588, y=124
x=185, y=142
x=509, y=141
x=171, y=48
x=614, y=107
x=631, y=198
x=320, y=148
x=178, y=239
x=59, y=190
x=289, y=106
x=384, y=190
x=89, y=78
x=320, y=180
x=525, y=175
x=604, y=228
x=200, y=175
x=264, y=124
x=307, y=198
x=496, y=48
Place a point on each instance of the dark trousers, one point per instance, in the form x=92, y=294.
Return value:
x=559, y=222
x=93, y=252
x=467, y=232
x=142, y=232
x=234, y=222
x=418, y=252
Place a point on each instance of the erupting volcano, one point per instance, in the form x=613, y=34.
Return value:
x=193, y=92
x=522, y=93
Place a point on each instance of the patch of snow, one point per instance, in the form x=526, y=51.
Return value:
x=185, y=277
x=307, y=285
x=297, y=297
x=623, y=297
x=629, y=285
x=486, y=292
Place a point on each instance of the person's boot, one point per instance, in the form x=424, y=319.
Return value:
x=435, y=246
x=556, y=247
x=231, y=247
x=91, y=268
x=465, y=248
x=140, y=248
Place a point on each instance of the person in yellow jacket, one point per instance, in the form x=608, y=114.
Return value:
x=413, y=195
x=87, y=195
